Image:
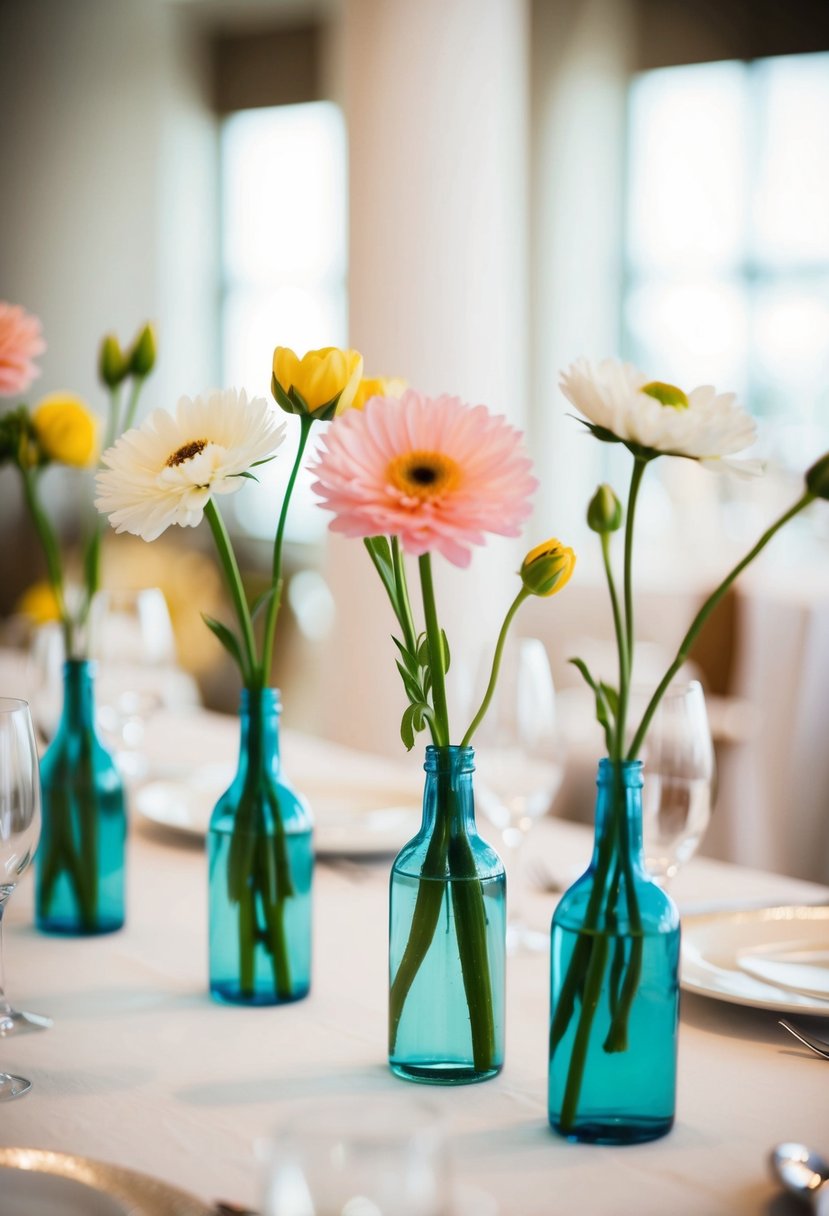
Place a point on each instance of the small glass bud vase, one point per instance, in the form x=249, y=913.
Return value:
x=261, y=859
x=614, y=983
x=447, y=948
x=80, y=860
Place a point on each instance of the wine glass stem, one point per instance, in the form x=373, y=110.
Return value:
x=5, y=1007
x=514, y=838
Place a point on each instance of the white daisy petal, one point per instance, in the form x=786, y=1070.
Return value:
x=712, y=426
x=165, y=471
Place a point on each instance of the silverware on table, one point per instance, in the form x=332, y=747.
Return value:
x=804, y=1173
x=818, y=1046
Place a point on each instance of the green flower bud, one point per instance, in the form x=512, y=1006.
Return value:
x=667, y=394
x=143, y=354
x=817, y=478
x=604, y=512
x=113, y=367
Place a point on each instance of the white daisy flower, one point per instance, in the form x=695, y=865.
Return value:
x=652, y=418
x=165, y=471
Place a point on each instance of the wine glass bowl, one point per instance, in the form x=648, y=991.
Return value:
x=678, y=772
x=520, y=763
x=20, y=819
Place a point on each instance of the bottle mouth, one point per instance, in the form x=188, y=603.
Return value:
x=450, y=759
x=630, y=770
x=268, y=698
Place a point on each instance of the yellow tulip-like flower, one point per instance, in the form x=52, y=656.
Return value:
x=319, y=385
x=377, y=386
x=547, y=568
x=39, y=603
x=142, y=355
x=66, y=430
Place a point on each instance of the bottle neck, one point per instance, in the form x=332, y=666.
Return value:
x=619, y=809
x=79, y=692
x=448, y=795
x=259, y=713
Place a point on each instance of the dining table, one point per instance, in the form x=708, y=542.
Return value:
x=142, y=1069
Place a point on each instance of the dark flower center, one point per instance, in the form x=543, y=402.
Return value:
x=186, y=452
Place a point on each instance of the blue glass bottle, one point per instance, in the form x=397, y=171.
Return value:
x=80, y=860
x=614, y=984
x=261, y=859
x=447, y=937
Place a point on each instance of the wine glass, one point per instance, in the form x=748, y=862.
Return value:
x=678, y=772
x=132, y=639
x=520, y=762
x=381, y=1156
x=19, y=834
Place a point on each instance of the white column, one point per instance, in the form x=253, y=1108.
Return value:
x=436, y=106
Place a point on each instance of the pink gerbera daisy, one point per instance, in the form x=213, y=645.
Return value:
x=21, y=341
x=431, y=470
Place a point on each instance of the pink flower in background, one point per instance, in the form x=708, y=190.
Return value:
x=21, y=341
x=435, y=472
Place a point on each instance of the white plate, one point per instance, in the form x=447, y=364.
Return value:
x=37, y=1181
x=716, y=944
x=348, y=820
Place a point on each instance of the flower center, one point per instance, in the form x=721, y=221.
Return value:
x=667, y=394
x=423, y=475
x=186, y=452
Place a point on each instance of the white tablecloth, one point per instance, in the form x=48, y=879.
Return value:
x=142, y=1069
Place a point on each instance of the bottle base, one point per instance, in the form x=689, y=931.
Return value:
x=448, y=1072
x=231, y=994
x=610, y=1130
x=65, y=927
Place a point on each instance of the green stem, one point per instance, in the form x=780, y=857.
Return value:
x=305, y=425
x=639, y=464
x=233, y=579
x=621, y=640
x=132, y=406
x=405, y=617
x=522, y=595
x=435, y=650
x=470, y=924
x=112, y=429
x=598, y=948
x=703, y=615
x=51, y=552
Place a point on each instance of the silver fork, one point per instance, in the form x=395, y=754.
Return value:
x=818, y=1046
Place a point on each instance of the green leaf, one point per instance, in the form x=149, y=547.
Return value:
x=264, y=460
x=424, y=659
x=447, y=658
x=413, y=689
x=260, y=602
x=379, y=550
x=407, y=730
x=612, y=698
x=246, y=473
x=409, y=660
x=227, y=638
x=604, y=714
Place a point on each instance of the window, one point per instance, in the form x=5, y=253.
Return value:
x=284, y=243
x=727, y=241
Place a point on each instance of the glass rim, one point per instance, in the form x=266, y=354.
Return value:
x=11, y=705
x=380, y=1119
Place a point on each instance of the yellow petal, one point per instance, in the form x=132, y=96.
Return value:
x=66, y=429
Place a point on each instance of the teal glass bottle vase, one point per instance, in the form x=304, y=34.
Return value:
x=447, y=937
x=79, y=885
x=614, y=984
x=260, y=853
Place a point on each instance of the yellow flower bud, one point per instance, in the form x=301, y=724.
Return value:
x=667, y=394
x=143, y=354
x=66, y=430
x=547, y=568
x=113, y=367
x=319, y=385
x=39, y=603
x=379, y=386
x=817, y=478
x=604, y=513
